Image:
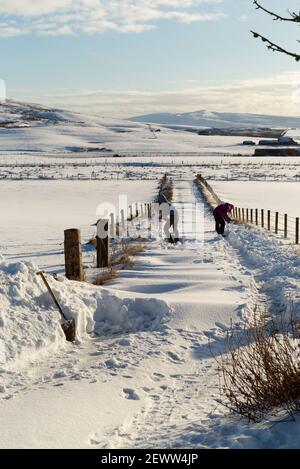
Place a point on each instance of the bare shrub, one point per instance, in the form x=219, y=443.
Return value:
x=127, y=251
x=260, y=373
x=105, y=277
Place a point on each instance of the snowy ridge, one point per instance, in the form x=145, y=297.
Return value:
x=205, y=118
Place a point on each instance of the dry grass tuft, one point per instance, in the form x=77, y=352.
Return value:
x=261, y=371
x=106, y=277
x=92, y=242
x=127, y=251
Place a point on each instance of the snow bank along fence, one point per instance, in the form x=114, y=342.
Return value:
x=274, y=222
x=117, y=227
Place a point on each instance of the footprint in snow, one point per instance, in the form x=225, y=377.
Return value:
x=113, y=363
x=131, y=394
x=59, y=374
x=175, y=357
x=124, y=342
x=157, y=376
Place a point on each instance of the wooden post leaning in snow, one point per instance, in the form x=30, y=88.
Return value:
x=285, y=225
x=102, y=243
x=269, y=220
x=243, y=214
x=256, y=216
x=297, y=231
x=276, y=222
x=262, y=218
x=247, y=214
x=73, y=255
x=251, y=216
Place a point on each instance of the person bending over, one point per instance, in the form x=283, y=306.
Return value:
x=221, y=214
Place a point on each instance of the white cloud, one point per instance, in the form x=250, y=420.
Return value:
x=278, y=94
x=93, y=16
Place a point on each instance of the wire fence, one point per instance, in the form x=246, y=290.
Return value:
x=274, y=222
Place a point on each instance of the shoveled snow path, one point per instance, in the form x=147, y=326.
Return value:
x=182, y=405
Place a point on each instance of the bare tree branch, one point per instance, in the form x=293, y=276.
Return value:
x=294, y=16
x=274, y=47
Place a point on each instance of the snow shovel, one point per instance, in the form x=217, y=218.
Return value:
x=68, y=325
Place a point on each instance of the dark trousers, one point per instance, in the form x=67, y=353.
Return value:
x=220, y=224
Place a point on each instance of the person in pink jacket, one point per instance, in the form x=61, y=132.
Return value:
x=221, y=215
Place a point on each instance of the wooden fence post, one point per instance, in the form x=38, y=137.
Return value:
x=136, y=210
x=149, y=207
x=262, y=218
x=122, y=219
x=285, y=225
x=102, y=243
x=73, y=255
x=297, y=231
x=251, y=215
x=240, y=215
x=269, y=220
x=117, y=226
x=243, y=214
x=112, y=226
x=256, y=216
x=247, y=214
x=276, y=222
x=130, y=212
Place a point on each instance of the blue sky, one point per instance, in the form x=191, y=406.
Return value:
x=129, y=57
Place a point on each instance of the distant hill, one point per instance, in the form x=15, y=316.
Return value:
x=218, y=119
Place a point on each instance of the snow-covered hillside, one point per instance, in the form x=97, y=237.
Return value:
x=30, y=127
x=37, y=130
x=205, y=118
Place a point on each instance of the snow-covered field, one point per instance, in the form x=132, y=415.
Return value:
x=36, y=213
x=141, y=373
x=149, y=380
x=282, y=197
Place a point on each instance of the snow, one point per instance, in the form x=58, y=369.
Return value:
x=206, y=118
x=144, y=374
x=278, y=196
x=149, y=379
x=141, y=373
x=36, y=213
x=30, y=323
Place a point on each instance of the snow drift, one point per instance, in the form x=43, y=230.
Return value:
x=30, y=323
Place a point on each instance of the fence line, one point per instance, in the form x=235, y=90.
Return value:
x=274, y=222
x=115, y=227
